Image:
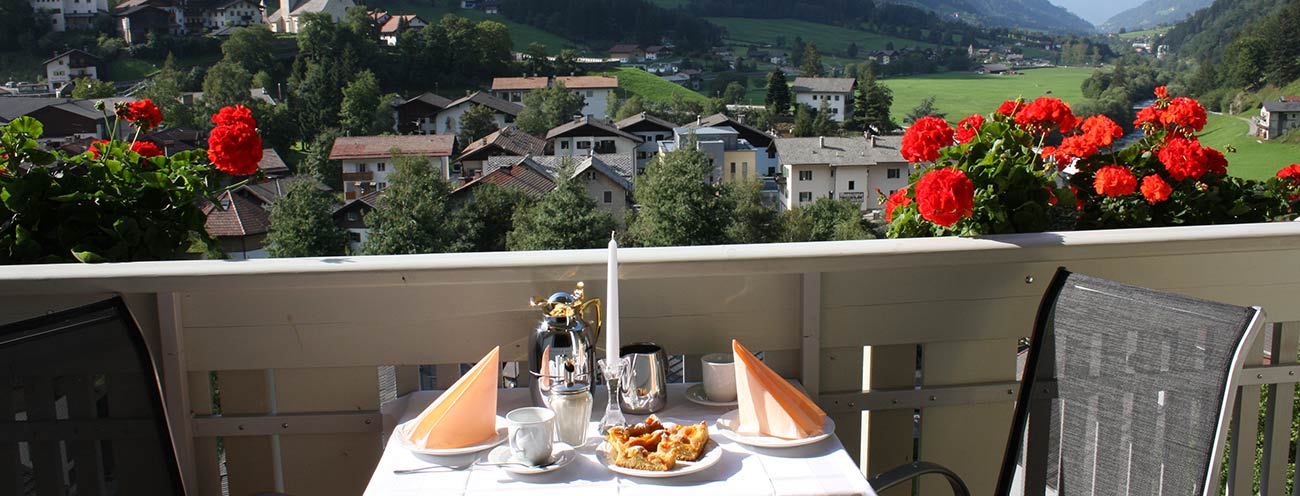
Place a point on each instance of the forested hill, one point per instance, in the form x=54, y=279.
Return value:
x=1038, y=15
x=1153, y=13
x=605, y=22
x=852, y=14
x=1209, y=32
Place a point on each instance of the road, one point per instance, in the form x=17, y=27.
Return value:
x=1254, y=128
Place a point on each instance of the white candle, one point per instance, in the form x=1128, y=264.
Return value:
x=611, y=302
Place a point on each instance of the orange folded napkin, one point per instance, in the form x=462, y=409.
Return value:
x=770, y=405
x=465, y=414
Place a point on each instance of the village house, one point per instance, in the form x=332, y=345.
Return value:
x=503, y=113
x=239, y=225
x=858, y=169
x=731, y=158
x=626, y=52
x=418, y=114
x=393, y=27
x=525, y=176
x=286, y=18
x=66, y=120
x=486, y=6
x=651, y=130
x=351, y=217
x=837, y=93
x=1276, y=117
x=366, y=161
x=66, y=67
x=508, y=140
x=514, y=89
x=765, y=163
x=607, y=178
x=70, y=14
x=594, y=90
x=134, y=24
x=586, y=136
x=234, y=14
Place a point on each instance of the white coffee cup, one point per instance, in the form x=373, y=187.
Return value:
x=531, y=433
x=719, y=376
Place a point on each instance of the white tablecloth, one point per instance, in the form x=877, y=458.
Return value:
x=822, y=468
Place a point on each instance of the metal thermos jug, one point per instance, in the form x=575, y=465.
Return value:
x=565, y=333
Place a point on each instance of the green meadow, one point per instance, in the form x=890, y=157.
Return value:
x=651, y=88
x=959, y=94
x=830, y=40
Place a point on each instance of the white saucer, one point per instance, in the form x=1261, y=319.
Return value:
x=726, y=425
x=712, y=453
x=500, y=436
x=562, y=454
x=695, y=394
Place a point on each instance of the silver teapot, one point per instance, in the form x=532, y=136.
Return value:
x=563, y=338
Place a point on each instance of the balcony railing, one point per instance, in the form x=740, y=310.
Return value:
x=296, y=344
x=358, y=176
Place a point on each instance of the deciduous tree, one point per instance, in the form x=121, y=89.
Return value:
x=477, y=122
x=226, y=84
x=86, y=88
x=363, y=108
x=301, y=225
x=411, y=215
x=484, y=221
x=678, y=206
x=564, y=219
x=752, y=220
x=548, y=107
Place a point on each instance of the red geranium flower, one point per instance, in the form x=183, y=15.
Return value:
x=1045, y=113
x=1162, y=92
x=922, y=141
x=1185, y=115
x=945, y=196
x=97, y=147
x=1155, y=189
x=969, y=127
x=1100, y=131
x=1184, y=158
x=238, y=114
x=146, y=149
x=897, y=199
x=1215, y=161
x=1115, y=180
x=1147, y=117
x=1010, y=107
x=142, y=113
x=1292, y=174
x=234, y=146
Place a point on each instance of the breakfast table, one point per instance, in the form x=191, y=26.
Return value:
x=820, y=468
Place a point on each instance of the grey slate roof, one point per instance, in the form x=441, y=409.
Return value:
x=1282, y=106
x=606, y=129
x=619, y=167
x=837, y=151
x=436, y=100
x=823, y=85
x=489, y=101
x=642, y=119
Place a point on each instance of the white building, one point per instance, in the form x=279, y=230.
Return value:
x=367, y=160
x=447, y=120
x=594, y=90
x=585, y=136
x=286, y=19
x=393, y=26
x=651, y=130
x=607, y=178
x=71, y=14
x=234, y=14
x=837, y=93
x=68, y=66
x=851, y=169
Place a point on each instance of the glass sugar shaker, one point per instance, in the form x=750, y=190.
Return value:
x=571, y=402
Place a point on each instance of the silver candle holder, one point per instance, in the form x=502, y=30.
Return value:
x=613, y=379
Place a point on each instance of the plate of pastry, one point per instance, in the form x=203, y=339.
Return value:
x=495, y=439
x=728, y=422
x=659, y=449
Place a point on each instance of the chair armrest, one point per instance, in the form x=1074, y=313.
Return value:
x=898, y=475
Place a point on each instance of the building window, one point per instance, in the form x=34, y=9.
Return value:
x=641, y=155
x=584, y=145
x=352, y=216
x=805, y=175
x=591, y=175
x=354, y=236
x=609, y=197
x=564, y=145
x=606, y=146
x=894, y=173
x=590, y=93
x=771, y=171
x=361, y=167
x=852, y=184
x=383, y=185
x=381, y=167
x=837, y=98
x=733, y=167
x=805, y=196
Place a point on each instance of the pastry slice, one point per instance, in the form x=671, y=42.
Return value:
x=685, y=442
x=638, y=457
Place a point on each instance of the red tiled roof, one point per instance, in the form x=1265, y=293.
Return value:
x=240, y=218
x=394, y=23
x=588, y=82
x=355, y=147
x=523, y=177
x=519, y=83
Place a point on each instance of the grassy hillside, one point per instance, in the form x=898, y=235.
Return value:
x=959, y=94
x=520, y=34
x=649, y=87
x=1144, y=33
x=831, y=40
x=1254, y=159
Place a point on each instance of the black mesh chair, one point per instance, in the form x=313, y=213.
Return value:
x=81, y=412
x=1126, y=391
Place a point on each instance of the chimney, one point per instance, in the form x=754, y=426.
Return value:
x=873, y=142
x=821, y=142
x=285, y=9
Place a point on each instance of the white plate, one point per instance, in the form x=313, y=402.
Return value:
x=727, y=422
x=561, y=453
x=712, y=453
x=695, y=394
x=473, y=448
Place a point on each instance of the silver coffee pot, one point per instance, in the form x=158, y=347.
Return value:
x=563, y=338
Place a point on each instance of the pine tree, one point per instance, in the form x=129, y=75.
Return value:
x=778, y=93
x=823, y=124
x=678, y=207
x=411, y=216
x=477, y=122
x=301, y=225
x=852, y=50
x=752, y=221
x=871, y=105
x=803, y=122
x=812, y=62
x=797, y=51
x=317, y=163
x=361, y=101
x=564, y=219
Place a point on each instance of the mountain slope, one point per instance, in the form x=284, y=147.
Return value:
x=1038, y=15
x=1096, y=11
x=1208, y=32
x=1153, y=13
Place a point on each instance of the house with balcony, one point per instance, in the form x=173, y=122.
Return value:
x=368, y=160
x=227, y=14
x=859, y=169
x=418, y=114
x=1276, y=117
x=607, y=178
x=651, y=130
x=447, y=120
x=514, y=89
x=836, y=93
x=586, y=136
x=68, y=66
x=508, y=140
x=594, y=90
x=70, y=14
x=286, y=19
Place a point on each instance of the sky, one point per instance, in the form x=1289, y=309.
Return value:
x=1097, y=11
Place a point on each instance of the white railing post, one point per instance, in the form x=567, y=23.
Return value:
x=1277, y=424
